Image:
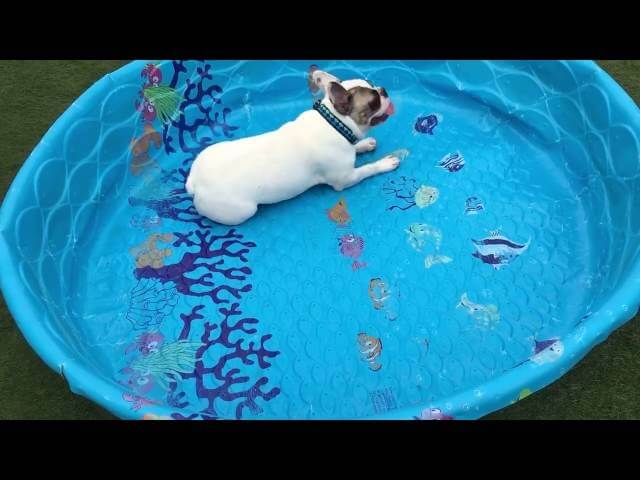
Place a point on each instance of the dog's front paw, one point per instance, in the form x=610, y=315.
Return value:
x=388, y=164
x=366, y=145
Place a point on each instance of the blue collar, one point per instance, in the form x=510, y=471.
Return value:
x=335, y=122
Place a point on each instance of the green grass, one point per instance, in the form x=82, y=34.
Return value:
x=605, y=385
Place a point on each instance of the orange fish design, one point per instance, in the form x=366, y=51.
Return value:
x=140, y=148
x=378, y=292
x=370, y=349
x=339, y=213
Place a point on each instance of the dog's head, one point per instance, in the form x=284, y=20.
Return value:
x=367, y=105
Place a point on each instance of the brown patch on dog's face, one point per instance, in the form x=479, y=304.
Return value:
x=366, y=103
x=362, y=104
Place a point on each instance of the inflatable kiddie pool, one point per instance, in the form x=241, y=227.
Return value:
x=499, y=253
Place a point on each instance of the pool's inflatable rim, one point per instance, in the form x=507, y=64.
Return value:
x=497, y=393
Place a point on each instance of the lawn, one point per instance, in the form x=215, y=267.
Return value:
x=605, y=385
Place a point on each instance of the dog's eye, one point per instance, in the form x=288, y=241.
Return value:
x=374, y=103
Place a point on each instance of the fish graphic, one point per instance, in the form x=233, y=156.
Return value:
x=153, y=416
x=140, y=147
x=370, y=349
x=339, y=213
x=383, y=298
x=146, y=222
x=137, y=402
x=452, y=162
x=433, y=414
x=418, y=232
x=497, y=250
x=147, y=343
x=426, y=124
x=547, y=351
x=432, y=260
x=426, y=196
x=378, y=292
x=351, y=245
x=473, y=206
x=401, y=193
x=486, y=315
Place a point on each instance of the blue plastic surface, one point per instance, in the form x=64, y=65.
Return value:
x=499, y=253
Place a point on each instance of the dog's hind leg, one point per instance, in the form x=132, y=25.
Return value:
x=226, y=213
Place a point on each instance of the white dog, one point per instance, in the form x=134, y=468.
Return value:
x=230, y=179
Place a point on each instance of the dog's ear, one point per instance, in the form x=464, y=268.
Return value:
x=313, y=84
x=340, y=98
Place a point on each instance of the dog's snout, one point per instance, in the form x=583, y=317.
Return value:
x=383, y=92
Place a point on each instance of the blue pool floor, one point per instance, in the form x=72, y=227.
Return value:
x=312, y=299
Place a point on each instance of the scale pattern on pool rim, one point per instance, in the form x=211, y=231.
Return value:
x=571, y=120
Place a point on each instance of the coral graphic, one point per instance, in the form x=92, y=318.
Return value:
x=220, y=248
x=151, y=301
x=148, y=253
x=164, y=363
x=201, y=95
x=205, y=360
x=401, y=193
x=157, y=100
x=204, y=123
x=178, y=205
x=230, y=384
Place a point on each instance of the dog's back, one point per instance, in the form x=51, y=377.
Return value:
x=250, y=170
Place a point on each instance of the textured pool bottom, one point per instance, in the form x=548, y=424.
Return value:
x=414, y=294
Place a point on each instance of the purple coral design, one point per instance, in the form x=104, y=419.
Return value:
x=230, y=385
x=205, y=124
x=198, y=93
x=201, y=121
x=401, y=193
x=229, y=247
x=177, y=206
